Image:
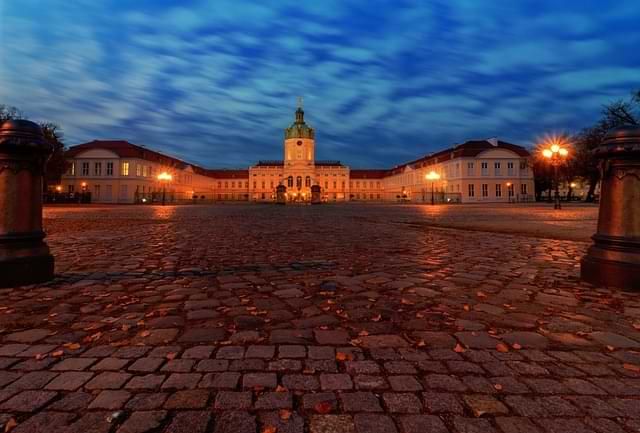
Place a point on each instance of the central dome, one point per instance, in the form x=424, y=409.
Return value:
x=299, y=129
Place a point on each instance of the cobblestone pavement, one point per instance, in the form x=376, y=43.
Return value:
x=256, y=318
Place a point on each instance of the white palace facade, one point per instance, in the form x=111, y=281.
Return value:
x=116, y=171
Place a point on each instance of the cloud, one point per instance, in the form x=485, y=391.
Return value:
x=216, y=82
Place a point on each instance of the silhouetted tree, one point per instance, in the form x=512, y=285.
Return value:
x=56, y=166
x=618, y=113
x=9, y=113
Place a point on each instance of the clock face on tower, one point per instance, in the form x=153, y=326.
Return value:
x=299, y=143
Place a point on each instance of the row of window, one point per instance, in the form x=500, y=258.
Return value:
x=498, y=190
x=98, y=168
x=497, y=168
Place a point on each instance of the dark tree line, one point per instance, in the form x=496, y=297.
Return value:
x=581, y=162
x=57, y=165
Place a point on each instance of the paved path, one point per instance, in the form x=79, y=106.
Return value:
x=357, y=318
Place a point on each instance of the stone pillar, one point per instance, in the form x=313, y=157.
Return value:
x=24, y=256
x=281, y=198
x=614, y=258
x=316, y=196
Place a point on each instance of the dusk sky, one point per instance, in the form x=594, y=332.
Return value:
x=216, y=82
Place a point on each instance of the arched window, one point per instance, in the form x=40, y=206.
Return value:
x=299, y=181
x=307, y=181
x=290, y=181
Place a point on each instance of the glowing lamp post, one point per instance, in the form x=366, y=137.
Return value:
x=164, y=178
x=509, y=191
x=556, y=154
x=432, y=176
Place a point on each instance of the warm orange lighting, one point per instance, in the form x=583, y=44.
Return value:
x=165, y=176
x=83, y=184
x=58, y=188
x=509, y=184
x=432, y=175
x=573, y=184
x=555, y=146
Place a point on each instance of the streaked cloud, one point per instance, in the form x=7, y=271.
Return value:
x=216, y=82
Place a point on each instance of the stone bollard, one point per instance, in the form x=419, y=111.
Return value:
x=316, y=195
x=614, y=258
x=24, y=256
x=281, y=197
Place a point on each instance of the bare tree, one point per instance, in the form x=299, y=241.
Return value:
x=618, y=113
x=10, y=113
x=56, y=166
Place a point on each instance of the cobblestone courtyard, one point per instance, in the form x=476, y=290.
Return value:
x=352, y=318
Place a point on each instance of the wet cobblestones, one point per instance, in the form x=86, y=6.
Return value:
x=314, y=319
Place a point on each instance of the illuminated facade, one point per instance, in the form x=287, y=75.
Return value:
x=475, y=171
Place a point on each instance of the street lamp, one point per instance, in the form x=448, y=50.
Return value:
x=556, y=154
x=432, y=176
x=164, y=178
x=509, y=191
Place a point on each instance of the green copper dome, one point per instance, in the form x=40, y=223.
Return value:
x=299, y=129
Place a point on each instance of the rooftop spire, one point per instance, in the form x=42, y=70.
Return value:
x=299, y=111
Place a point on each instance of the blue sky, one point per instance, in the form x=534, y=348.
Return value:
x=215, y=82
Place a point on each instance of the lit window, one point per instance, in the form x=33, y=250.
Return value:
x=72, y=169
x=138, y=170
x=125, y=169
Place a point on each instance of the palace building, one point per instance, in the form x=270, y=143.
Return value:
x=117, y=171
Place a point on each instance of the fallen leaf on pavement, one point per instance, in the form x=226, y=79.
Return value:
x=631, y=367
x=341, y=356
x=459, y=348
x=323, y=407
x=10, y=425
x=501, y=347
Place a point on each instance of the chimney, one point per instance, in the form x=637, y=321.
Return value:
x=493, y=141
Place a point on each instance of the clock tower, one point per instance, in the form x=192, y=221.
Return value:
x=299, y=156
x=299, y=141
